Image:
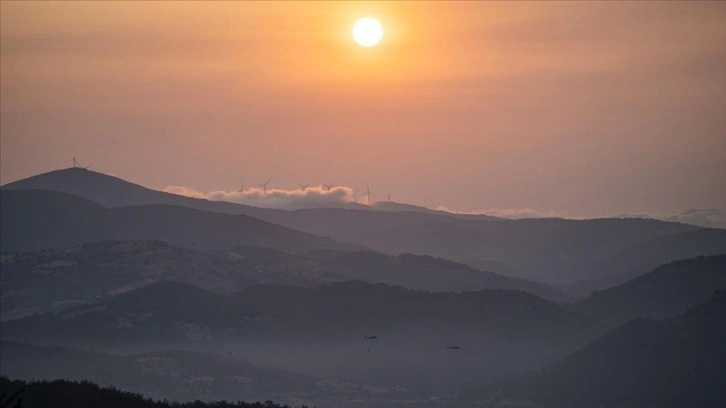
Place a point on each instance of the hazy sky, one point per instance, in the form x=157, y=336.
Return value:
x=584, y=108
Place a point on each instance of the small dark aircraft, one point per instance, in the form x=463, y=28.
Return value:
x=453, y=347
x=370, y=337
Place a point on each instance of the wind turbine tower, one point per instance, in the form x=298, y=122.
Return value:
x=368, y=194
x=264, y=185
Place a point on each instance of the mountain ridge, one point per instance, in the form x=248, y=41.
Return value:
x=558, y=252
x=36, y=219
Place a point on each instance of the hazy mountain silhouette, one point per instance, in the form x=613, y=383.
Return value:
x=176, y=312
x=427, y=273
x=666, y=291
x=643, y=363
x=57, y=278
x=255, y=289
x=642, y=258
x=53, y=279
x=110, y=191
x=320, y=331
x=35, y=219
x=552, y=250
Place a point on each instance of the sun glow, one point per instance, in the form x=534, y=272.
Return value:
x=367, y=32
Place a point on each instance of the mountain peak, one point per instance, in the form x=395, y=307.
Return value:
x=111, y=191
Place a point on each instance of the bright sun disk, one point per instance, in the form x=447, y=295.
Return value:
x=367, y=32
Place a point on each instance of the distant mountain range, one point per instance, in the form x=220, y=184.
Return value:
x=111, y=191
x=288, y=300
x=54, y=279
x=666, y=291
x=501, y=334
x=176, y=312
x=37, y=219
x=557, y=251
x=642, y=363
x=321, y=331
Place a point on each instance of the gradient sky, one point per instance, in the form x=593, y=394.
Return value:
x=581, y=108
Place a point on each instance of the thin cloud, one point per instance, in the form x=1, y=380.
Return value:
x=338, y=197
x=708, y=217
x=511, y=213
x=312, y=197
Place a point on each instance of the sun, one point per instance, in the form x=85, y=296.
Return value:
x=367, y=31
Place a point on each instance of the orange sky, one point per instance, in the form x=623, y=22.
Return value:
x=585, y=108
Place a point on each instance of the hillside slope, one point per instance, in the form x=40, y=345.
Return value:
x=36, y=219
x=72, y=394
x=642, y=364
x=668, y=290
x=555, y=251
x=177, y=375
x=56, y=278
x=175, y=312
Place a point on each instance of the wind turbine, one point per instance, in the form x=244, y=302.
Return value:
x=74, y=160
x=368, y=195
x=389, y=197
x=355, y=195
x=242, y=187
x=303, y=187
x=78, y=164
x=264, y=185
x=328, y=186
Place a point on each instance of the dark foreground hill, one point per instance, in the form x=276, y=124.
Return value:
x=556, y=251
x=71, y=394
x=680, y=362
x=175, y=375
x=36, y=219
x=666, y=291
